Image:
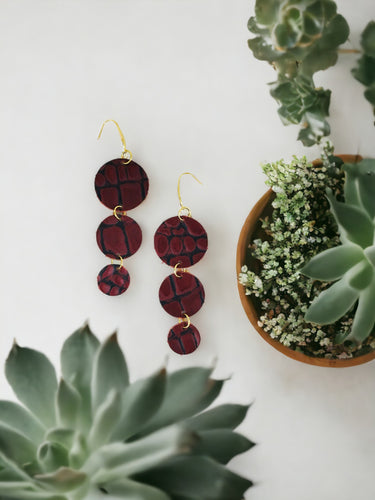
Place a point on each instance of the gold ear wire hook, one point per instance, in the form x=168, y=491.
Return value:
x=182, y=206
x=125, y=151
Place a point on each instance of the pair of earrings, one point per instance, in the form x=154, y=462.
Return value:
x=180, y=241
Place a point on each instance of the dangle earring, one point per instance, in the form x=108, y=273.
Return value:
x=180, y=242
x=120, y=184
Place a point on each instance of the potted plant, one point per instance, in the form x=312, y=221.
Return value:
x=94, y=435
x=304, y=257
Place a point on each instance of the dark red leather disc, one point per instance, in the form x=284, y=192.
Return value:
x=180, y=241
x=119, y=238
x=113, y=279
x=120, y=183
x=181, y=295
x=183, y=340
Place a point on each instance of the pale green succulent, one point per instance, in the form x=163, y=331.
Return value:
x=352, y=264
x=95, y=436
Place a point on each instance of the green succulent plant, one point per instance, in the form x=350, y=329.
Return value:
x=94, y=435
x=299, y=38
x=365, y=70
x=352, y=264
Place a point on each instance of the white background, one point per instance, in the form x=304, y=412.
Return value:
x=178, y=77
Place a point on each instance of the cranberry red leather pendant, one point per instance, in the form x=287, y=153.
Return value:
x=121, y=185
x=181, y=242
x=113, y=279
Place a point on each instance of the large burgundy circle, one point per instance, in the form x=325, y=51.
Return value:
x=182, y=241
x=183, y=340
x=181, y=295
x=121, y=183
x=119, y=238
x=113, y=279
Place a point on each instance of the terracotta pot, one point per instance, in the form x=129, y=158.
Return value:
x=251, y=226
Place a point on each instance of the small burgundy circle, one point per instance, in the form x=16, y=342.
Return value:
x=113, y=280
x=183, y=340
x=118, y=182
x=181, y=295
x=181, y=241
x=119, y=238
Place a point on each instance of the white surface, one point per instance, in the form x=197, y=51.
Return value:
x=180, y=80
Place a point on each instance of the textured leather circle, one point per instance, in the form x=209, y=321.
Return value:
x=183, y=340
x=181, y=295
x=180, y=241
x=119, y=238
x=113, y=279
x=120, y=183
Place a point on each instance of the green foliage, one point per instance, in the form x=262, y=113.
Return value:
x=299, y=38
x=95, y=435
x=352, y=263
x=300, y=226
x=365, y=70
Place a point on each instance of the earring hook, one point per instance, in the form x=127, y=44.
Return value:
x=182, y=206
x=125, y=151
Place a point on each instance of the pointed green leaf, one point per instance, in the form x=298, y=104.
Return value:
x=364, y=319
x=77, y=357
x=188, y=392
x=51, y=456
x=16, y=446
x=366, y=185
x=354, y=224
x=196, y=477
x=332, y=304
x=333, y=263
x=141, y=401
x=33, y=379
x=222, y=444
x=30, y=494
x=21, y=420
x=63, y=479
x=68, y=404
x=106, y=418
x=78, y=452
x=109, y=371
x=131, y=490
x=227, y=416
x=361, y=275
x=10, y=470
x=117, y=460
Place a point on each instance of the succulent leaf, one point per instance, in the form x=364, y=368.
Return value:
x=331, y=304
x=140, y=402
x=109, y=371
x=119, y=460
x=16, y=446
x=188, y=391
x=21, y=420
x=222, y=444
x=227, y=416
x=52, y=455
x=333, y=263
x=68, y=404
x=106, y=418
x=77, y=358
x=354, y=224
x=33, y=379
x=196, y=478
x=364, y=319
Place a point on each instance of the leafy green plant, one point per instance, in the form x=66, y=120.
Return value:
x=365, y=70
x=95, y=435
x=352, y=264
x=300, y=38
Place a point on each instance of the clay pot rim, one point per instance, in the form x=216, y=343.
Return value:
x=249, y=307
